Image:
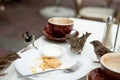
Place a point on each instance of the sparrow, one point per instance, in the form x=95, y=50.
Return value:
x=28, y=39
x=99, y=49
x=5, y=62
x=78, y=43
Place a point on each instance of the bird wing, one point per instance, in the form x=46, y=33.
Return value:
x=103, y=50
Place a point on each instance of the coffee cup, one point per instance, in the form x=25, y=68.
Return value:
x=110, y=66
x=59, y=26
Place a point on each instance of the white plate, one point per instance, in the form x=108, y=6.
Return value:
x=27, y=60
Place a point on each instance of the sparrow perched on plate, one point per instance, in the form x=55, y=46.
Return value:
x=77, y=43
x=28, y=39
x=5, y=62
x=99, y=49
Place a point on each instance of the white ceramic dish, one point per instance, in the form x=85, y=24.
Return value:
x=52, y=50
x=23, y=65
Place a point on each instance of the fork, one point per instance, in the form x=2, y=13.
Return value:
x=73, y=68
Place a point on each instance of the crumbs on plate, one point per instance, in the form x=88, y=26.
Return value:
x=33, y=69
x=50, y=62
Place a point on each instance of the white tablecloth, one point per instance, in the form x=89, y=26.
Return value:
x=97, y=30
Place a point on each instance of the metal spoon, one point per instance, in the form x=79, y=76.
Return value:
x=73, y=68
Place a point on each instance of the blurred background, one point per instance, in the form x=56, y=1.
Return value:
x=19, y=16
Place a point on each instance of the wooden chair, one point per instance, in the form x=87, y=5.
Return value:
x=3, y=12
x=95, y=13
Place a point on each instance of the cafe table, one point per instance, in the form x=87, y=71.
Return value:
x=81, y=25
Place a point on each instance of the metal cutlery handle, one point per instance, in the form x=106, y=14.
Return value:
x=24, y=76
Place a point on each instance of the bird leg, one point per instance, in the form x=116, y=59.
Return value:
x=3, y=74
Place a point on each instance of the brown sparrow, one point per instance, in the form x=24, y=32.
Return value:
x=5, y=62
x=99, y=49
x=77, y=43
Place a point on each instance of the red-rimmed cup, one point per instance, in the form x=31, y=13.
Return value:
x=110, y=65
x=60, y=26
